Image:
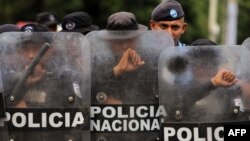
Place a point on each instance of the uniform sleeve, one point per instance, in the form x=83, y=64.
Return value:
x=196, y=93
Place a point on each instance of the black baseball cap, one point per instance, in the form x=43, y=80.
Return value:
x=8, y=28
x=168, y=11
x=46, y=18
x=34, y=27
x=121, y=25
x=78, y=22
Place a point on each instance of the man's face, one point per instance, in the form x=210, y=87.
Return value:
x=30, y=50
x=175, y=28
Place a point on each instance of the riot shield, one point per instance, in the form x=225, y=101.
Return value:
x=192, y=98
x=124, y=88
x=3, y=127
x=246, y=43
x=46, y=83
x=245, y=85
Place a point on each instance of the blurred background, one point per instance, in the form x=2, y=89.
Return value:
x=223, y=21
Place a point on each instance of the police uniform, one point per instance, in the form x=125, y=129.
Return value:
x=193, y=95
x=60, y=87
x=138, y=87
x=130, y=86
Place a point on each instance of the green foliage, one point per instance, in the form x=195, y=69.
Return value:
x=196, y=15
x=62, y=7
x=141, y=8
x=12, y=11
x=243, y=20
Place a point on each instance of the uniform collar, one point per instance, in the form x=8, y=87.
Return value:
x=179, y=44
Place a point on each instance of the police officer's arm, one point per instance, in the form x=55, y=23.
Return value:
x=130, y=61
x=223, y=78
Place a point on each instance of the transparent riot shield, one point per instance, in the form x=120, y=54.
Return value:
x=201, y=85
x=246, y=43
x=124, y=88
x=46, y=83
x=4, y=134
x=245, y=78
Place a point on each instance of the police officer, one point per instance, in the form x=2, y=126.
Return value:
x=39, y=79
x=195, y=78
x=169, y=16
x=49, y=79
x=125, y=68
x=122, y=34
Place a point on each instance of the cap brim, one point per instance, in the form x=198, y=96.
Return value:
x=83, y=30
x=122, y=34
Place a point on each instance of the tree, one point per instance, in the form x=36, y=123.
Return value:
x=196, y=12
x=243, y=20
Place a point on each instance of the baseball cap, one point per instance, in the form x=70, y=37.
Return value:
x=168, y=11
x=34, y=27
x=46, y=18
x=36, y=33
x=121, y=25
x=8, y=28
x=78, y=22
